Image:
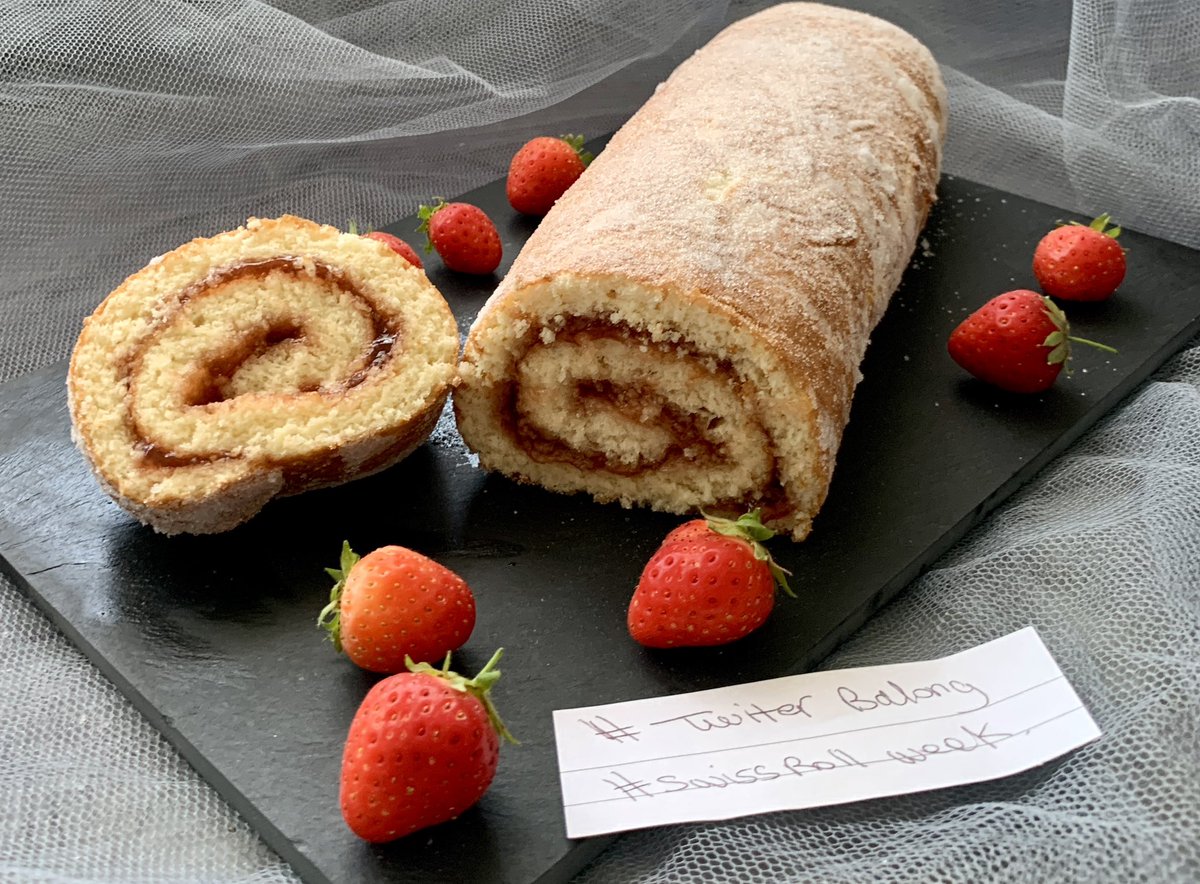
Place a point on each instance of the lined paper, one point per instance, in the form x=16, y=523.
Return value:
x=817, y=739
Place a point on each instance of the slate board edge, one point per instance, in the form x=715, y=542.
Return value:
x=585, y=850
x=931, y=554
x=278, y=842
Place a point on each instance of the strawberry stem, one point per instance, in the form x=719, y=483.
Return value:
x=478, y=687
x=749, y=527
x=1059, y=340
x=330, y=618
x=1096, y=344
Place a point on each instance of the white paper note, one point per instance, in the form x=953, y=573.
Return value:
x=817, y=739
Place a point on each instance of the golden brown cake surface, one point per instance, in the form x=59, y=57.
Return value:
x=686, y=325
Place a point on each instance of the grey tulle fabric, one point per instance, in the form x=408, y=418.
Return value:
x=129, y=128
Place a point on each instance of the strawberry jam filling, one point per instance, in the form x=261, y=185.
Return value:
x=689, y=433
x=210, y=382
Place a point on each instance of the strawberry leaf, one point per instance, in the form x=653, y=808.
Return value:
x=425, y=213
x=330, y=618
x=349, y=559
x=778, y=573
x=749, y=527
x=576, y=144
x=1061, y=339
x=1056, y=316
x=1099, y=223
x=479, y=686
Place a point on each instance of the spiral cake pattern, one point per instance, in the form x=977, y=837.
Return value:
x=265, y=361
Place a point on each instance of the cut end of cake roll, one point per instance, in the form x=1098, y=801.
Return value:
x=642, y=396
x=684, y=329
x=265, y=361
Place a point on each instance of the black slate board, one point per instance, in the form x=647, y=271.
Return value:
x=213, y=637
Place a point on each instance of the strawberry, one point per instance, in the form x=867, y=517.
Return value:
x=423, y=747
x=1080, y=263
x=463, y=235
x=691, y=530
x=542, y=170
x=394, y=603
x=710, y=582
x=395, y=243
x=1018, y=341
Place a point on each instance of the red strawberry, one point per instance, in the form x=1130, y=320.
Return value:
x=692, y=530
x=395, y=243
x=394, y=603
x=1018, y=341
x=542, y=170
x=1080, y=263
x=463, y=235
x=710, y=582
x=423, y=748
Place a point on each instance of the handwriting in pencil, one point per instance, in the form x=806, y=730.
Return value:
x=631, y=789
x=895, y=695
x=963, y=739
x=609, y=730
x=818, y=739
x=708, y=720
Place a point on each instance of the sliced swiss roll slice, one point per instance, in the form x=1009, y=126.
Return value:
x=685, y=327
x=267, y=360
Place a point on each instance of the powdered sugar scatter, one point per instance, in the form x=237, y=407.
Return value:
x=809, y=182
x=772, y=193
x=445, y=435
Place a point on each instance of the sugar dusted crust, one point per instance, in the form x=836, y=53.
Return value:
x=268, y=360
x=713, y=278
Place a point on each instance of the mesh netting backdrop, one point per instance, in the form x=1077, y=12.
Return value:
x=131, y=128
